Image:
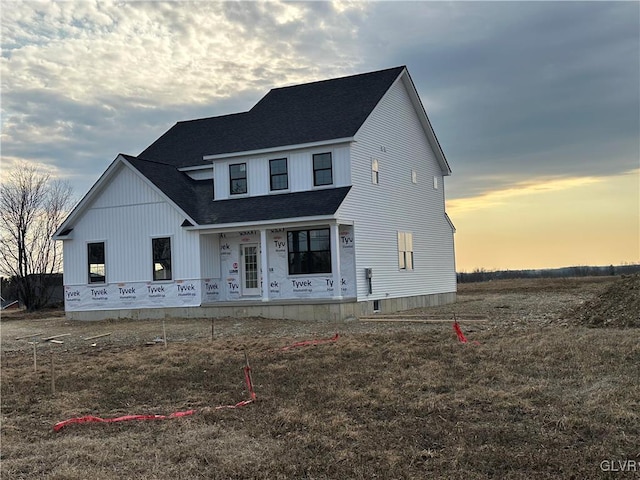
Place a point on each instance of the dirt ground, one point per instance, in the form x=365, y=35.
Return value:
x=536, y=393
x=518, y=304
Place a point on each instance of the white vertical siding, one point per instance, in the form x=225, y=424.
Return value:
x=125, y=216
x=210, y=256
x=393, y=135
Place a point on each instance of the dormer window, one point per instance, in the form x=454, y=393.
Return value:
x=322, y=170
x=238, y=178
x=278, y=174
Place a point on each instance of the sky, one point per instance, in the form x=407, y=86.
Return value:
x=536, y=104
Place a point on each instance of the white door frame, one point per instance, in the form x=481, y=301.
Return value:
x=250, y=277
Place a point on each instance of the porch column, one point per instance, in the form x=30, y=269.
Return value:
x=335, y=261
x=264, y=264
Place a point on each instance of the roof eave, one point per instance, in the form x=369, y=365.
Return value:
x=289, y=222
x=86, y=200
x=280, y=148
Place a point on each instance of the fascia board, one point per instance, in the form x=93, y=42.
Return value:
x=82, y=205
x=282, y=148
x=282, y=222
x=206, y=166
x=424, y=120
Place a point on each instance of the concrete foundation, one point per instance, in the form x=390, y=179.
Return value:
x=319, y=310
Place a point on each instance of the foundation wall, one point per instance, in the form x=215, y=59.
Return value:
x=295, y=310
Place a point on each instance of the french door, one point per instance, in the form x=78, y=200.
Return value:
x=250, y=270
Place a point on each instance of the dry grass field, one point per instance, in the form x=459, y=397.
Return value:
x=541, y=394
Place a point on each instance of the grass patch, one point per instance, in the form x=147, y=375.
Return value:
x=547, y=402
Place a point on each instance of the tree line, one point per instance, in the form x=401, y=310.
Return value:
x=482, y=275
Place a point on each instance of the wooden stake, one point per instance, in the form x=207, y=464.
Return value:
x=35, y=364
x=53, y=374
x=164, y=333
x=246, y=361
x=212, y=328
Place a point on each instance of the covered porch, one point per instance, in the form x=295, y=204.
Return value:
x=285, y=263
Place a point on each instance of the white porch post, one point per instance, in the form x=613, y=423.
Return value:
x=335, y=261
x=264, y=264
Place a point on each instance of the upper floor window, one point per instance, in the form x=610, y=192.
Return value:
x=161, y=258
x=405, y=250
x=278, y=174
x=309, y=251
x=322, y=171
x=375, y=178
x=238, y=178
x=96, y=264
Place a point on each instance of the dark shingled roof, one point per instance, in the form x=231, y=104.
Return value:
x=312, y=112
x=195, y=198
x=299, y=114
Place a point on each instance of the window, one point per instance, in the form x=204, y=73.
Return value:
x=278, y=173
x=435, y=182
x=405, y=250
x=309, y=251
x=375, y=178
x=322, y=173
x=414, y=176
x=161, y=258
x=95, y=256
x=238, y=178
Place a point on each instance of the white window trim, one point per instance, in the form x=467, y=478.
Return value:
x=375, y=171
x=405, y=246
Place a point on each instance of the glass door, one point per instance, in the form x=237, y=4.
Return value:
x=250, y=270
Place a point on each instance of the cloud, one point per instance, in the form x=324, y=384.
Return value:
x=85, y=80
x=514, y=90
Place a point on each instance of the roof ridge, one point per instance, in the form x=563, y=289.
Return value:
x=327, y=80
x=211, y=118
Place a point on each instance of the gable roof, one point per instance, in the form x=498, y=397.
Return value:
x=324, y=111
x=299, y=114
x=194, y=198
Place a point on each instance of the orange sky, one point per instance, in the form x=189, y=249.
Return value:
x=550, y=223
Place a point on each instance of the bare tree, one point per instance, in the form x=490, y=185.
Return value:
x=32, y=207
